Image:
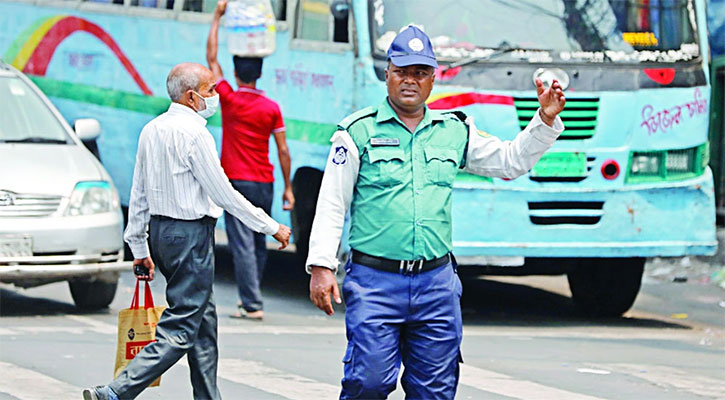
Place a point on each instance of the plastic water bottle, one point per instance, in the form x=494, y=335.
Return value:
x=250, y=28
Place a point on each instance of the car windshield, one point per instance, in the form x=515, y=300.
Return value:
x=25, y=118
x=628, y=31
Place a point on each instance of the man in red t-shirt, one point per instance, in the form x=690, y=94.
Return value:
x=248, y=120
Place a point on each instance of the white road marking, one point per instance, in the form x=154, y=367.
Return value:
x=505, y=385
x=271, y=380
x=96, y=325
x=668, y=378
x=26, y=384
x=593, y=371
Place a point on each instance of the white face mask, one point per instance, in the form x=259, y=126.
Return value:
x=211, y=105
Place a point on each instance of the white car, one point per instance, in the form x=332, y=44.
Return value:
x=60, y=216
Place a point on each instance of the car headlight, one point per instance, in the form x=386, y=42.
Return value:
x=92, y=197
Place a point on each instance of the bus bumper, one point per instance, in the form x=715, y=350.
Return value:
x=644, y=220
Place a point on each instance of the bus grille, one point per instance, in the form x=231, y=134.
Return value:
x=579, y=116
x=590, y=166
x=565, y=212
x=14, y=205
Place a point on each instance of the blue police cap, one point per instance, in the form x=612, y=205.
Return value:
x=412, y=46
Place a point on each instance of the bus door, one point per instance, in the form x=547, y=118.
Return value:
x=315, y=83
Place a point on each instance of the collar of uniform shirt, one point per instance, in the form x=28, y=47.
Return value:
x=386, y=113
x=180, y=109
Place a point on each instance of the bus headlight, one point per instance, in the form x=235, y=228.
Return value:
x=93, y=197
x=646, y=164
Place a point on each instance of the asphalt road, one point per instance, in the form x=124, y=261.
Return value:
x=522, y=340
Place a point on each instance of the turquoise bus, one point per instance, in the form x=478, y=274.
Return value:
x=716, y=25
x=628, y=179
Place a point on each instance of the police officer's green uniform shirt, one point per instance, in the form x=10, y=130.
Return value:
x=401, y=206
x=398, y=184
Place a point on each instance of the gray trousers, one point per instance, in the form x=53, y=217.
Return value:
x=183, y=252
x=249, y=248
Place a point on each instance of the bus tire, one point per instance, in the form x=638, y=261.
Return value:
x=305, y=187
x=605, y=287
x=94, y=294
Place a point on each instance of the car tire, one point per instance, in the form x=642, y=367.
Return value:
x=94, y=294
x=306, y=188
x=605, y=287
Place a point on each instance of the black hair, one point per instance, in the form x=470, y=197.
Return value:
x=248, y=69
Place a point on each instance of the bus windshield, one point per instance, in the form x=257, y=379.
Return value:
x=625, y=31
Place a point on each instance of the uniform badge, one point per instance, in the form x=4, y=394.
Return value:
x=340, y=157
x=384, y=142
x=416, y=44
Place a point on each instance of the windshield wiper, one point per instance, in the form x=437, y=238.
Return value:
x=36, y=139
x=503, y=48
x=471, y=60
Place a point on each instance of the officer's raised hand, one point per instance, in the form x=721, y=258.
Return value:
x=551, y=99
x=322, y=283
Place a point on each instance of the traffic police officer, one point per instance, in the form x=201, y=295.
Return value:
x=393, y=166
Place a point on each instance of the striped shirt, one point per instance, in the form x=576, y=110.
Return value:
x=178, y=175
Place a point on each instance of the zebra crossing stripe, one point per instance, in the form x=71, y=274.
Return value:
x=271, y=380
x=26, y=384
x=505, y=385
x=669, y=378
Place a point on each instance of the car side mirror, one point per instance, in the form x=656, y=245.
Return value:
x=87, y=129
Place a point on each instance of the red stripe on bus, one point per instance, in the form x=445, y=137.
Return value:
x=467, y=99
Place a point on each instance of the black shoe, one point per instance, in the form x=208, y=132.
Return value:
x=95, y=393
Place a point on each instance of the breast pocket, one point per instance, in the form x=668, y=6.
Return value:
x=441, y=165
x=387, y=163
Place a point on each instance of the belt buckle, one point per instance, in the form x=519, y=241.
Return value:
x=411, y=267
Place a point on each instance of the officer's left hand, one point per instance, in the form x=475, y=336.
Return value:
x=551, y=99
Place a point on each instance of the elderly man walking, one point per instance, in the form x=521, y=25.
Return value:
x=393, y=166
x=177, y=184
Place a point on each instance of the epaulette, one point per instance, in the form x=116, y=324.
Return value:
x=460, y=115
x=357, y=116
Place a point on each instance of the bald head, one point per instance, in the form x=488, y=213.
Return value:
x=187, y=77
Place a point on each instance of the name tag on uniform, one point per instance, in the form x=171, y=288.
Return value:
x=384, y=142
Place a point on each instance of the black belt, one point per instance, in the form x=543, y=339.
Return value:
x=399, y=266
x=205, y=219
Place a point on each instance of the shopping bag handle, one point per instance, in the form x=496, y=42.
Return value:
x=148, y=297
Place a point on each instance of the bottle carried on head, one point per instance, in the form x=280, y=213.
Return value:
x=250, y=26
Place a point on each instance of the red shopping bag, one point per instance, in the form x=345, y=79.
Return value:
x=136, y=329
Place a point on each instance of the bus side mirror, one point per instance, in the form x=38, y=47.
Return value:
x=340, y=9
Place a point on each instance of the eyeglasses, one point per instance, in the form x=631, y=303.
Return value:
x=417, y=74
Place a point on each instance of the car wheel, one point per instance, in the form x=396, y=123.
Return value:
x=94, y=294
x=306, y=187
x=605, y=287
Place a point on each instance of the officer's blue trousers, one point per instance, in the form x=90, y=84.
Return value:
x=392, y=317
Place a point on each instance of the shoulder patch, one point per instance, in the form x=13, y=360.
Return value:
x=356, y=116
x=459, y=115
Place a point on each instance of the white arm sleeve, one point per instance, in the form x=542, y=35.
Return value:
x=336, y=191
x=206, y=168
x=138, y=208
x=490, y=156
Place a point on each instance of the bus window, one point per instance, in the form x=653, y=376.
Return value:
x=316, y=21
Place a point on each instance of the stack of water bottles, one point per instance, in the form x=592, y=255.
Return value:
x=250, y=28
